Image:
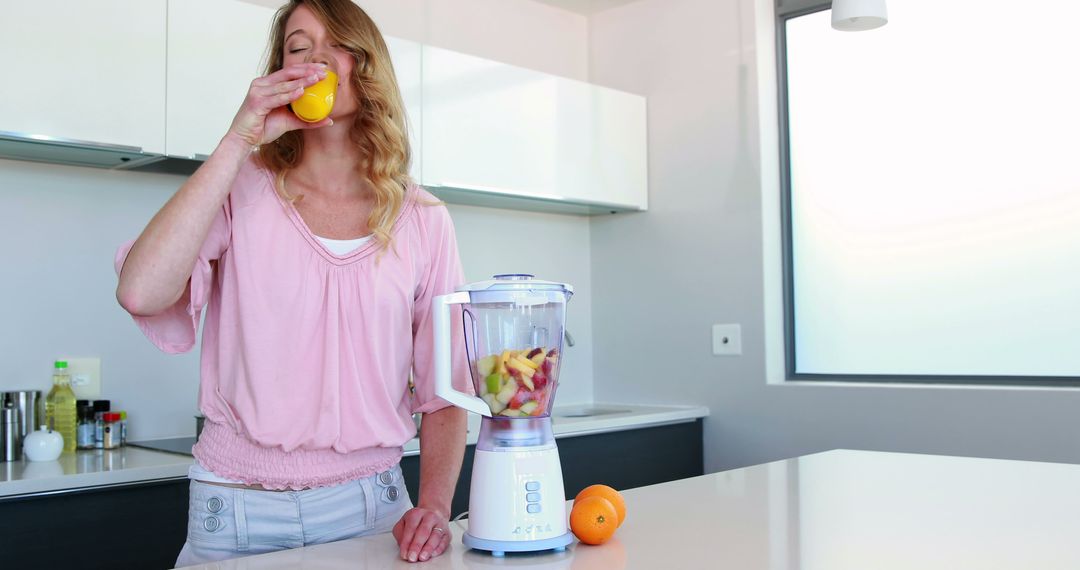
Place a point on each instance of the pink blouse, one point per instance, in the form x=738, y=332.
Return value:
x=306, y=355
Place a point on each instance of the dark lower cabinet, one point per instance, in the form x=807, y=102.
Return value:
x=144, y=525
x=129, y=526
x=621, y=459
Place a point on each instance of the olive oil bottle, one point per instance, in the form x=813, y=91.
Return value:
x=60, y=406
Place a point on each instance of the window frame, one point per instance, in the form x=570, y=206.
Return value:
x=786, y=10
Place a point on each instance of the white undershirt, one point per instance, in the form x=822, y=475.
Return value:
x=343, y=246
x=200, y=473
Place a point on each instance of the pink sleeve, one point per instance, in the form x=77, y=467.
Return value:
x=443, y=274
x=173, y=330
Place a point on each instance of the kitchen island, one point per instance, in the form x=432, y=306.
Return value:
x=837, y=510
x=624, y=445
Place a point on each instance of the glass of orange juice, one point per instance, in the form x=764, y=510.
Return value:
x=318, y=99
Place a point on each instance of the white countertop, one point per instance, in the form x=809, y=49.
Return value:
x=590, y=419
x=127, y=465
x=92, y=468
x=839, y=510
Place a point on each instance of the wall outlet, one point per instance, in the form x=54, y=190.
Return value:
x=727, y=340
x=85, y=377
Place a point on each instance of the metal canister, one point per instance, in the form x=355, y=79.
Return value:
x=10, y=439
x=26, y=402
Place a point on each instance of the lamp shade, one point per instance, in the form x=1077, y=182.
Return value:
x=858, y=15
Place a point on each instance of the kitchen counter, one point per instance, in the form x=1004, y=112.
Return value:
x=90, y=468
x=837, y=510
x=590, y=419
x=96, y=468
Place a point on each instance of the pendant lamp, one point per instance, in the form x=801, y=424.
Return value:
x=858, y=15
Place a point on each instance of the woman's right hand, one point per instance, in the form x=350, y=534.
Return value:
x=265, y=114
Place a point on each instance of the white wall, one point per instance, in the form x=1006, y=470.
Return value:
x=696, y=258
x=62, y=225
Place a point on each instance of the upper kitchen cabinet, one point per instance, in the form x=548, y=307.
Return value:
x=500, y=135
x=86, y=71
x=407, y=58
x=216, y=49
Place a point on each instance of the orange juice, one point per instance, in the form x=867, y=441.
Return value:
x=318, y=100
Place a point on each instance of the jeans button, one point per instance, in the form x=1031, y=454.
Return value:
x=212, y=524
x=392, y=493
x=386, y=477
x=214, y=504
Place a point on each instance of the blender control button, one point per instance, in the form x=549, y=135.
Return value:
x=532, y=497
x=533, y=508
x=532, y=485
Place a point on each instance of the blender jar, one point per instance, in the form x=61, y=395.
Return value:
x=513, y=337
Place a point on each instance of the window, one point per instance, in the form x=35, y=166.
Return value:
x=932, y=193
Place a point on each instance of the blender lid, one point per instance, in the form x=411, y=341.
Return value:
x=516, y=282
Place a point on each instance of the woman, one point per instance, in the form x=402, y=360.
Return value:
x=316, y=259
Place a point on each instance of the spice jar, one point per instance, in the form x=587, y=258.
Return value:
x=85, y=431
x=112, y=433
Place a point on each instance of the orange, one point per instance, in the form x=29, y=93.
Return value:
x=318, y=99
x=593, y=520
x=608, y=493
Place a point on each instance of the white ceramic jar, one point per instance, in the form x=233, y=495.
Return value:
x=43, y=445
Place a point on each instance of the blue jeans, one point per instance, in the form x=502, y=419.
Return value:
x=228, y=522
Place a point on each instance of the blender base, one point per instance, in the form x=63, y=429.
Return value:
x=499, y=548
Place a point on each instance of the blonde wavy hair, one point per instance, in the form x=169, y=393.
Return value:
x=379, y=131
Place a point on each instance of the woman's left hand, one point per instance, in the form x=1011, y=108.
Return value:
x=422, y=534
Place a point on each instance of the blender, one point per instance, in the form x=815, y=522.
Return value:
x=513, y=337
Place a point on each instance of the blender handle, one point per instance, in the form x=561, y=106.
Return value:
x=440, y=307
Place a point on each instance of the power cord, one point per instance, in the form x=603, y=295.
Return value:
x=458, y=518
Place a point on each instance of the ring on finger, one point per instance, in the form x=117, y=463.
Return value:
x=437, y=529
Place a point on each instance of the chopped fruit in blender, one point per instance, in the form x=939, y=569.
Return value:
x=519, y=399
x=492, y=383
x=518, y=383
x=506, y=354
x=507, y=392
x=486, y=365
x=548, y=366
x=522, y=378
x=526, y=362
x=520, y=366
x=495, y=405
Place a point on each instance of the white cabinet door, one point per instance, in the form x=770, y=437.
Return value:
x=503, y=131
x=407, y=57
x=489, y=126
x=216, y=49
x=620, y=142
x=601, y=145
x=90, y=71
